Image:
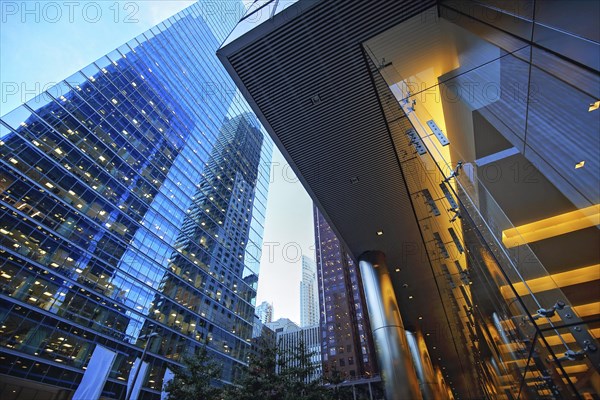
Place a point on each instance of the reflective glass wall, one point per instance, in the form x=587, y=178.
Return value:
x=133, y=200
x=495, y=118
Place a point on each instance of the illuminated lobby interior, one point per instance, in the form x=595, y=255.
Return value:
x=454, y=148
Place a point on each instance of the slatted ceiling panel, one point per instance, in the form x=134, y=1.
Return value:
x=314, y=28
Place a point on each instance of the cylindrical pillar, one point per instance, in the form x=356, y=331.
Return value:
x=423, y=366
x=397, y=371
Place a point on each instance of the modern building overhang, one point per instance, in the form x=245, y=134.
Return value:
x=305, y=74
x=347, y=89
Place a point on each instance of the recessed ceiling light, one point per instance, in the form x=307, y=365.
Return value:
x=420, y=317
x=397, y=269
x=410, y=297
x=579, y=164
x=379, y=233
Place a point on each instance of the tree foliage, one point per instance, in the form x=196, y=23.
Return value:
x=271, y=375
x=195, y=381
x=276, y=375
x=334, y=379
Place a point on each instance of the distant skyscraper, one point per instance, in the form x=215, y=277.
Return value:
x=309, y=300
x=264, y=311
x=132, y=202
x=346, y=342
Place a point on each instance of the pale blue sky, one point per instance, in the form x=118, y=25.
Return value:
x=43, y=42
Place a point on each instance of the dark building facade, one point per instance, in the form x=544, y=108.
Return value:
x=346, y=342
x=132, y=203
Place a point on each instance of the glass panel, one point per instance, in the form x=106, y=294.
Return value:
x=492, y=213
x=564, y=146
x=251, y=21
x=17, y=117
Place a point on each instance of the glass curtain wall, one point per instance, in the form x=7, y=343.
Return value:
x=495, y=120
x=133, y=199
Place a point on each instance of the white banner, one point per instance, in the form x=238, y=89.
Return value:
x=137, y=387
x=95, y=375
x=169, y=375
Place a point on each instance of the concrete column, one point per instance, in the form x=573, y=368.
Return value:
x=397, y=371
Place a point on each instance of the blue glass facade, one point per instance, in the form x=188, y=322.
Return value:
x=132, y=201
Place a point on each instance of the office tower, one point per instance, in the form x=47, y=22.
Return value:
x=309, y=300
x=452, y=146
x=264, y=311
x=289, y=338
x=132, y=207
x=346, y=342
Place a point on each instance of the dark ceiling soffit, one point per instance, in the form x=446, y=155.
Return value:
x=267, y=27
x=232, y=72
x=234, y=47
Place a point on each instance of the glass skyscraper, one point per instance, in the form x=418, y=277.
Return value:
x=132, y=202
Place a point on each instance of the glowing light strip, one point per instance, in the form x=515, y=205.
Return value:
x=573, y=369
x=554, y=340
x=558, y=280
x=553, y=226
x=587, y=310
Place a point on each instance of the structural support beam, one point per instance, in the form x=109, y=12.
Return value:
x=399, y=376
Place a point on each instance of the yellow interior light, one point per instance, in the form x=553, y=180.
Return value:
x=573, y=369
x=553, y=226
x=587, y=310
x=554, y=340
x=561, y=279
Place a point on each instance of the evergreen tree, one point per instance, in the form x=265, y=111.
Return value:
x=334, y=379
x=260, y=380
x=195, y=381
x=276, y=375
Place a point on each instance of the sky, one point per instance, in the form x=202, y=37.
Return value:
x=43, y=42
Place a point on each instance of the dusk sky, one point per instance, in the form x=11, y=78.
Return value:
x=28, y=66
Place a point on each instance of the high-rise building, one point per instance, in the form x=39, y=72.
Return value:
x=291, y=340
x=264, y=311
x=346, y=341
x=453, y=148
x=309, y=300
x=132, y=203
